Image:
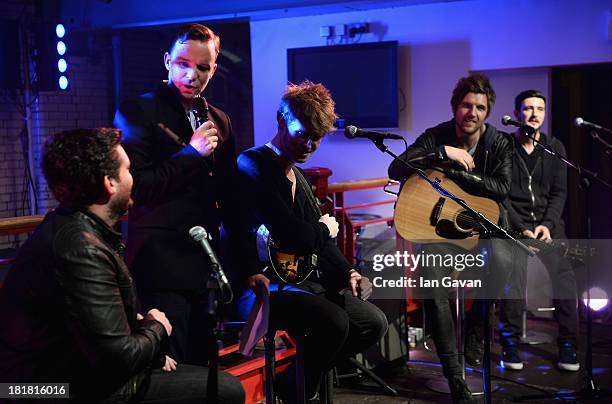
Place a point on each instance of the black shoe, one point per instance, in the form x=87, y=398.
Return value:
x=474, y=348
x=510, y=358
x=567, y=358
x=460, y=392
x=285, y=387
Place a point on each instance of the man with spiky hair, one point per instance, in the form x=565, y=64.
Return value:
x=68, y=307
x=329, y=308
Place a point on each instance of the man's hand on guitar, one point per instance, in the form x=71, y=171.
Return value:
x=360, y=285
x=542, y=232
x=528, y=233
x=331, y=224
x=205, y=139
x=460, y=156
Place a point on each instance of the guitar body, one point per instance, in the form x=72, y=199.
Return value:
x=424, y=216
x=290, y=268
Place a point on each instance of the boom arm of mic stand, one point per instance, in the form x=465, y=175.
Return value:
x=596, y=136
x=581, y=170
x=488, y=225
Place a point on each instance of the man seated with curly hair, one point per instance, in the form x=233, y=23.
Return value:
x=68, y=307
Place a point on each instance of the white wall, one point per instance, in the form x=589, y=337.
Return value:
x=438, y=44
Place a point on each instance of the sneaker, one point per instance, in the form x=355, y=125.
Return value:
x=460, y=392
x=474, y=348
x=567, y=358
x=511, y=359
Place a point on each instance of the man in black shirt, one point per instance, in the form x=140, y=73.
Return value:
x=329, y=308
x=535, y=204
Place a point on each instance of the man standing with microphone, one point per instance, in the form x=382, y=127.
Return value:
x=182, y=170
x=535, y=204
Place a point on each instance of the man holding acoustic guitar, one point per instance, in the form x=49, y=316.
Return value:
x=315, y=292
x=535, y=204
x=478, y=158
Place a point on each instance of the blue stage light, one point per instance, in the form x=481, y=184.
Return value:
x=63, y=82
x=61, y=48
x=60, y=31
x=62, y=65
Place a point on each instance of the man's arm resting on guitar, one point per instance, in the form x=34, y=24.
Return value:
x=421, y=154
x=495, y=186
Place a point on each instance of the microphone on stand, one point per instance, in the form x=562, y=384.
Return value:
x=352, y=132
x=581, y=123
x=199, y=235
x=507, y=120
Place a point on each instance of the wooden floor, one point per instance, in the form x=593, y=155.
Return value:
x=540, y=374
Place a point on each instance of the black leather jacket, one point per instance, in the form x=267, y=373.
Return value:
x=68, y=313
x=492, y=175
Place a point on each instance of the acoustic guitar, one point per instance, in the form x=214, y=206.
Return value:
x=422, y=215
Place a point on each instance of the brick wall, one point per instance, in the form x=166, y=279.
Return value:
x=87, y=103
x=90, y=100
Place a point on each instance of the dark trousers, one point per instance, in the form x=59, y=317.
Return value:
x=191, y=337
x=333, y=326
x=564, y=299
x=436, y=300
x=187, y=384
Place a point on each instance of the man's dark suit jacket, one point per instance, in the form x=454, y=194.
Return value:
x=174, y=190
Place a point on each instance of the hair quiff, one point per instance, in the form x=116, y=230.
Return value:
x=475, y=83
x=196, y=32
x=312, y=104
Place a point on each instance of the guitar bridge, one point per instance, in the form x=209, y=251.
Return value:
x=435, y=213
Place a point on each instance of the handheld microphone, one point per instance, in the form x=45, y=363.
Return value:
x=352, y=132
x=507, y=120
x=199, y=107
x=199, y=235
x=580, y=123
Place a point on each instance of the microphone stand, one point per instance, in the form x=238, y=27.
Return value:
x=607, y=145
x=214, y=308
x=590, y=390
x=488, y=228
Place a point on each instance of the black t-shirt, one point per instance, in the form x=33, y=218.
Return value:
x=529, y=159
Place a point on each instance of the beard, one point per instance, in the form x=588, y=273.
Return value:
x=119, y=206
x=471, y=131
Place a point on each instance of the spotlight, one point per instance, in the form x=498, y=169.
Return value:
x=61, y=48
x=60, y=31
x=51, y=60
x=63, y=82
x=62, y=65
x=598, y=301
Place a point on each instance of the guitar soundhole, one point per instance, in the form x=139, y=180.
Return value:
x=447, y=229
x=464, y=222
